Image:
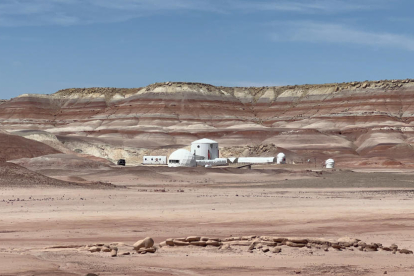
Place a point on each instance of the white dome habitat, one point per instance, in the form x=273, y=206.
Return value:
x=182, y=158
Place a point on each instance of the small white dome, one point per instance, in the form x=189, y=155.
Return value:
x=330, y=163
x=181, y=158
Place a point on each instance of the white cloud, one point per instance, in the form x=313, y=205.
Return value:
x=71, y=12
x=313, y=32
x=309, y=6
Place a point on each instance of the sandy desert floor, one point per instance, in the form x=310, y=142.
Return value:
x=43, y=230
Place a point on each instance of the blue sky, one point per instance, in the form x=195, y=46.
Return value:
x=47, y=45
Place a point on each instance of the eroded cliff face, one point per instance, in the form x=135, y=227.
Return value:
x=366, y=122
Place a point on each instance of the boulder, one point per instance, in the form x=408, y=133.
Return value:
x=169, y=242
x=293, y=244
x=405, y=251
x=247, y=238
x=361, y=244
x=94, y=249
x=214, y=239
x=213, y=243
x=241, y=243
x=164, y=243
x=181, y=239
x=147, y=250
x=268, y=243
x=145, y=243
x=114, y=253
x=277, y=249
x=265, y=249
x=180, y=243
x=278, y=239
x=193, y=238
x=106, y=249
x=298, y=240
x=198, y=243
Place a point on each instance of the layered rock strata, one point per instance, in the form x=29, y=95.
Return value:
x=359, y=121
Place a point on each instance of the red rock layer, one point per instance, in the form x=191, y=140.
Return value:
x=349, y=120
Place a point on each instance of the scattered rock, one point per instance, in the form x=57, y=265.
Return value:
x=213, y=243
x=170, y=242
x=94, y=249
x=106, y=249
x=265, y=249
x=293, y=244
x=405, y=251
x=193, y=238
x=180, y=243
x=198, y=243
x=277, y=250
x=145, y=243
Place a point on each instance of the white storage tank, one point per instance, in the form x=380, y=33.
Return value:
x=154, y=160
x=330, y=163
x=281, y=158
x=182, y=158
x=205, y=149
x=215, y=162
x=256, y=160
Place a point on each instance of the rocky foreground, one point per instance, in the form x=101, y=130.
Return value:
x=359, y=124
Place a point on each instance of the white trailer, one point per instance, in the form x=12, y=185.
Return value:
x=154, y=160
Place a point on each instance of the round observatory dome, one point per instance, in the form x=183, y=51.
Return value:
x=205, y=149
x=330, y=164
x=181, y=158
x=281, y=158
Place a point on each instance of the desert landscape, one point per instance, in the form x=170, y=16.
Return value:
x=68, y=209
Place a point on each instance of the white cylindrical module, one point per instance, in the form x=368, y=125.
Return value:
x=182, y=158
x=256, y=160
x=215, y=162
x=330, y=163
x=281, y=158
x=205, y=149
